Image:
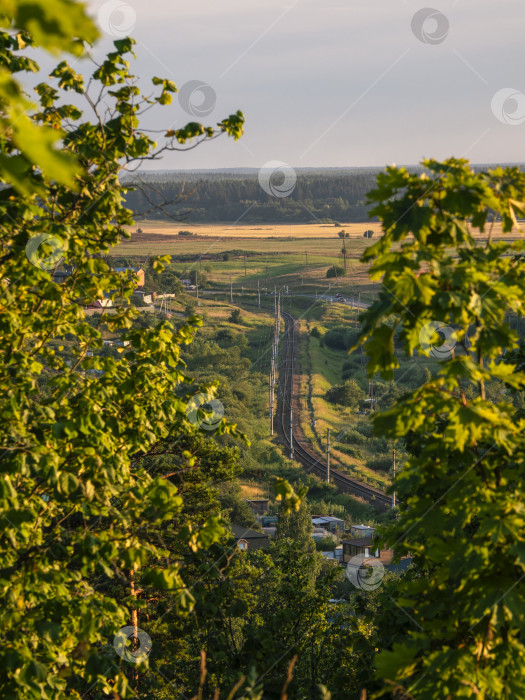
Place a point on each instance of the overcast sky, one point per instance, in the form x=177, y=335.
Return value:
x=336, y=82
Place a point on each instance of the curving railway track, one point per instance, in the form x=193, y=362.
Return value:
x=287, y=410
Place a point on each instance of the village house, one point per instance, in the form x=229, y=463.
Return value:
x=249, y=539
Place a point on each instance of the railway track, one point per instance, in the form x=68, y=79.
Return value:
x=302, y=451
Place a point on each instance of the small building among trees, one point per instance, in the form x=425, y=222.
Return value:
x=249, y=539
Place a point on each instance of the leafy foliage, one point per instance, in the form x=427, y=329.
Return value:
x=460, y=494
x=77, y=499
x=348, y=394
x=335, y=271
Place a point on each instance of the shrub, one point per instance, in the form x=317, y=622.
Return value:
x=365, y=429
x=235, y=316
x=368, y=234
x=351, y=451
x=225, y=335
x=381, y=463
x=335, y=271
x=347, y=394
x=315, y=332
x=350, y=367
x=352, y=437
x=340, y=337
x=325, y=544
x=199, y=278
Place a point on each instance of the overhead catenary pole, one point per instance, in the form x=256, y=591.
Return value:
x=272, y=372
x=291, y=428
x=393, y=476
x=328, y=456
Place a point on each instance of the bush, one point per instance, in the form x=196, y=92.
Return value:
x=335, y=271
x=185, y=233
x=348, y=394
x=315, y=332
x=350, y=367
x=235, y=316
x=352, y=437
x=225, y=335
x=340, y=337
x=326, y=544
x=368, y=234
x=365, y=429
x=199, y=278
x=238, y=511
x=351, y=451
x=381, y=463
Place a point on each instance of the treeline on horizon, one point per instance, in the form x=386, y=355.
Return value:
x=322, y=195
x=316, y=198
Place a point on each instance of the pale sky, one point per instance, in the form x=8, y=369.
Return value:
x=336, y=82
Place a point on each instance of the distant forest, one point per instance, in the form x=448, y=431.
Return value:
x=229, y=197
x=234, y=195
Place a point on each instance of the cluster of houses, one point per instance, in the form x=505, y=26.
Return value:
x=107, y=303
x=357, y=541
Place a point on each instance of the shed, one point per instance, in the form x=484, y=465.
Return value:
x=249, y=539
x=259, y=505
x=328, y=522
x=362, y=546
x=362, y=530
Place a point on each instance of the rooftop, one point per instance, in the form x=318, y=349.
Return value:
x=244, y=533
x=359, y=541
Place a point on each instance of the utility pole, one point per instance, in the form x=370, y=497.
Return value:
x=291, y=428
x=231, y=291
x=328, y=456
x=258, y=294
x=272, y=372
x=277, y=330
x=393, y=476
